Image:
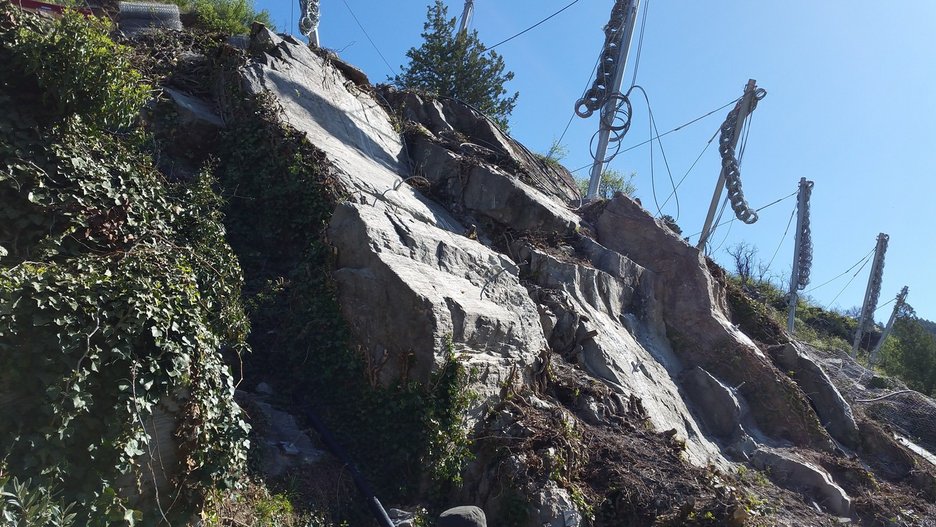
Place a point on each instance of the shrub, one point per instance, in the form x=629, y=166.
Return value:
x=78, y=69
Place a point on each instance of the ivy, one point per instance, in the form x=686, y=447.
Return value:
x=118, y=291
x=78, y=69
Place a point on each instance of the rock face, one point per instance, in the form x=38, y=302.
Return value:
x=455, y=232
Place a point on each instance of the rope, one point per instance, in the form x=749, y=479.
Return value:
x=664, y=134
x=694, y=163
x=730, y=161
x=850, y=280
x=640, y=41
x=785, y=231
x=655, y=130
x=771, y=204
x=534, y=26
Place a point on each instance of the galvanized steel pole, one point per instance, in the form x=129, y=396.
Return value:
x=743, y=112
x=872, y=291
x=901, y=299
x=801, y=209
x=610, y=107
x=466, y=16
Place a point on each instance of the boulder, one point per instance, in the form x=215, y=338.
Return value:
x=835, y=413
x=788, y=471
x=465, y=516
x=693, y=306
x=718, y=405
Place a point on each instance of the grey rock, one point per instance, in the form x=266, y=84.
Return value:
x=835, y=413
x=786, y=470
x=284, y=445
x=555, y=508
x=465, y=516
x=195, y=113
x=719, y=407
x=693, y=306
x=264, y=389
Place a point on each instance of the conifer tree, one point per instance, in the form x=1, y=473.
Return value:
x=458, y=66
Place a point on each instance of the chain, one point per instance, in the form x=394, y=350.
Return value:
x=806, y=246
x=730, y=166
x=309, y=22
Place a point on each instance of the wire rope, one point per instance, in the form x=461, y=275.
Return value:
x=827, y=282
x=664, y=134
x=782, y=239
x=534, y=26
x=694, y=163
x=655, y=130
x=771, y=204
x=640, y=41
x=850, y=280
x=377, y=49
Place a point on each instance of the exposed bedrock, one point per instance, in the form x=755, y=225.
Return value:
x=460, y=233
x=693, y=308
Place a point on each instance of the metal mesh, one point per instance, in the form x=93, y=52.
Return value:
x=908, y=413
x=142, y=16
x=806, y=246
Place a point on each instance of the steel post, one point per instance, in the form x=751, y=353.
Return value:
x=901, y=299
x=719, y=187
x=794, y=277
x=610, y=107
x=466, y=17
x=867, y=310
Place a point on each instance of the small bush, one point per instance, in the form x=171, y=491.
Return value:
x=226, y=16
x=78, y=68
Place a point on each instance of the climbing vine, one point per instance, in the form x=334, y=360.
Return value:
x=117, y=293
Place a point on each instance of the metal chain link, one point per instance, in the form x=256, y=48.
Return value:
x=596, y=96
x=730, y=166
x=309, y=22
x=806, y=246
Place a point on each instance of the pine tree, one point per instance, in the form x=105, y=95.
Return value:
x=458, y=66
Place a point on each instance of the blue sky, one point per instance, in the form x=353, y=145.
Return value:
x=850, y=105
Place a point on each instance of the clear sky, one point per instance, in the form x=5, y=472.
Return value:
x=851, y=105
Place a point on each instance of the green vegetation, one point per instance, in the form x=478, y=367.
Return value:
x=910, y=353
x=458, y=66
x=231, y=17
x=78, y=69
x=611, y=183
x=110, y=301
x=23, y=504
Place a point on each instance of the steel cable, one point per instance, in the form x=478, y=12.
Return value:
x=730, y=166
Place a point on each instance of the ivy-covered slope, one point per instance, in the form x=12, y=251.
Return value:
x=114, y=309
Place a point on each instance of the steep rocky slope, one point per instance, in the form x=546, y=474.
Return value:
x=423, y=285
x=452, y=232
